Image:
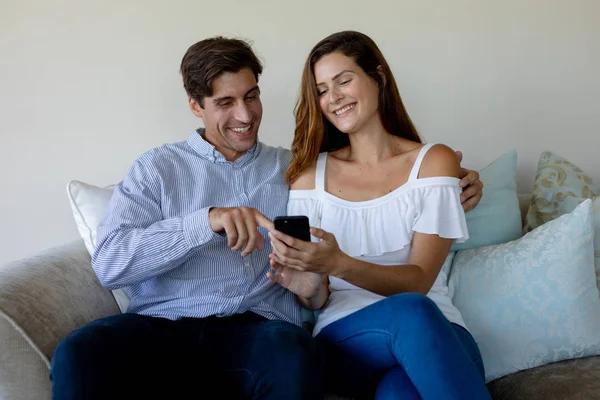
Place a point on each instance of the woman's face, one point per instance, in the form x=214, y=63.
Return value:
x=348, y=97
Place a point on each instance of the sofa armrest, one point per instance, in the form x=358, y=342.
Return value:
x=23, y=373
x=46, y=296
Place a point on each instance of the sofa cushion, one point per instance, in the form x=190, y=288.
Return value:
x=89, y=203
x=531, y=301
x=566, y=380
x=497, y=218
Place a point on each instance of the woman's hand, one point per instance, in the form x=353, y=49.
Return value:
x=323, y=257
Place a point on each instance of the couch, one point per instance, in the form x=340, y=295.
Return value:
x=44, y=297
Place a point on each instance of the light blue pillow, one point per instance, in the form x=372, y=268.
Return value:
x=534, y=300
x=559, y=187
x=497, y=217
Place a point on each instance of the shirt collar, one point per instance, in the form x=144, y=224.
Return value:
x=209, y=152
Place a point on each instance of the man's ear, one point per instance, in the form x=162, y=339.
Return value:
x=195, y=107
x=382, y=75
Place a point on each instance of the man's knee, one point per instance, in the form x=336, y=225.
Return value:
x=98, y=340
x=77, y=344
x=70, y=348
x=111, y=349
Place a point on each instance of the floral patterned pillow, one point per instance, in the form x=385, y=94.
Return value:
x=560, y=186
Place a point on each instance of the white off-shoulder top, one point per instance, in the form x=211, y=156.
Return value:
x=380, y=231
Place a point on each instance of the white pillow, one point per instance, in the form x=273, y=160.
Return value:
x=89, y=204
x=534, y=300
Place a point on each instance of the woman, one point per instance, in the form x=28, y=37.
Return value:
x=386, y=209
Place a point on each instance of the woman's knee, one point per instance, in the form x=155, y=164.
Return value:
x=414, y=312
x=415, y=305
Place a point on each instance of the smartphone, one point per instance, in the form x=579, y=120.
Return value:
x=295, y=226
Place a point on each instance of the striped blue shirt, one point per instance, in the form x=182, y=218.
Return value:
x=156, y=240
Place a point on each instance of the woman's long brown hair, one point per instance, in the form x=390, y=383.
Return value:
x=314, y=133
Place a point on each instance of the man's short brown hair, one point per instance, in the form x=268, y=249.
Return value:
x=210, y=58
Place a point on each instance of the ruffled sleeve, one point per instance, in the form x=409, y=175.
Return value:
x=439, y=210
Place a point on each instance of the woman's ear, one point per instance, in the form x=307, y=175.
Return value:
x=382, y=75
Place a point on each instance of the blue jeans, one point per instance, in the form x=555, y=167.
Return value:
x=130, y=356
x=402, y=347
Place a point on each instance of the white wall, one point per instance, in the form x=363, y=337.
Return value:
x=86, y=86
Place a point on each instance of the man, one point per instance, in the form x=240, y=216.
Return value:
x=185, y=232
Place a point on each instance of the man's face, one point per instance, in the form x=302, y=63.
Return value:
x=232, y=114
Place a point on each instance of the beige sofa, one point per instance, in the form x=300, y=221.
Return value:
x=44, y=297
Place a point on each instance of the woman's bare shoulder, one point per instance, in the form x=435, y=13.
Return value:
x=440, y=160
x=306, y=179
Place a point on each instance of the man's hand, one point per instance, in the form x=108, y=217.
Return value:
x=241, y=227
x=472, y=186
x=303, y=284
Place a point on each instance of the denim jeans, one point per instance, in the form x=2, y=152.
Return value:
x=130, y=356
x=402, y=347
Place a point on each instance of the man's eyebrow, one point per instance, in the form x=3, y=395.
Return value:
x=254, y=89
x=230, y=98
x=337, y=76
x=222, y=99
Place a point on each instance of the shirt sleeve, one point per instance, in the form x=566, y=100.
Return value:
x=135, y=243
x=440, y=212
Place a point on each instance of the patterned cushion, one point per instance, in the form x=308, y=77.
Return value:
x=531, y=301
x=559, y=187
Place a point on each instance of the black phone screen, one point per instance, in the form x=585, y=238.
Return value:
x=295, y=226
